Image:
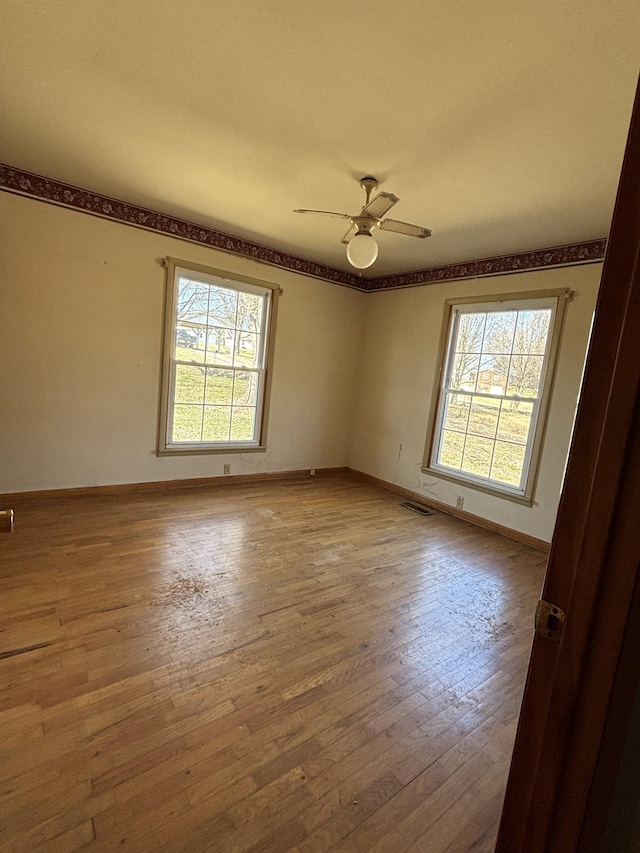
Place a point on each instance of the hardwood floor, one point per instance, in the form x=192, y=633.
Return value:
x=288, y=667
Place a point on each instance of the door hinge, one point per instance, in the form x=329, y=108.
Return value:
x=549, y=621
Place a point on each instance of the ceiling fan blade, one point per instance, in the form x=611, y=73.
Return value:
x=379, y=205
x=404, y=228
x=350, y=233
x=326, y=213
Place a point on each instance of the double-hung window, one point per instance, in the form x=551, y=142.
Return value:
x=494, y=385
x=217, y=360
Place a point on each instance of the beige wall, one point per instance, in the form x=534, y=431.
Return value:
x=81, y=306
x=397, y=381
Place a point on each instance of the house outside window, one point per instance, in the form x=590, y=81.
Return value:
x=495, y=379
x=218, y=352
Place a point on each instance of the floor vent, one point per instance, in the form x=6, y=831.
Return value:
x=421, y=508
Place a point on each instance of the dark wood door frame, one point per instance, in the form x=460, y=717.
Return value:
x=568, y=746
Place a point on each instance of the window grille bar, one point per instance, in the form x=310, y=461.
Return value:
x=504, y=397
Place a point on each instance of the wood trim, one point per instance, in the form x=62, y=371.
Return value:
x=593, y=565
x=160, y=485
x=607, y=780
x=609, y=562
x=31, y=185
x=476, y=520
x=606, y=694
x=561, y=296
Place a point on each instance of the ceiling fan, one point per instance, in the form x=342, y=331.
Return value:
x=362, y=249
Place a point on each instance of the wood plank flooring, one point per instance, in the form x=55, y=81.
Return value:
x=292, y=667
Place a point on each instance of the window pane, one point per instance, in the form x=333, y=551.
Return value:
x=187, y=423
x=223, y=307
x=483, y=417
x=189, y=384
x=515, y=421
x=465, y=372
x=451, y=449
x=245, y=389
x=250, y=308
x=456, y=415
x=187, y=344
x=470, y=332
x=531, y=331
x=524, y=375
x=219, y=388
x=246, y=349
x=216, y=422
x=477, y=456
x=492, y=374
x=499, y=332
x=242, y=423
x=508, y=460
x=193, y=298
x=220, y=345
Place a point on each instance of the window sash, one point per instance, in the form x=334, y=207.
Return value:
x=252, y=442
x=488, y=481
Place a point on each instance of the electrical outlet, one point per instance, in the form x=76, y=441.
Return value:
x=226, y=468
x=459, y=502
x=312, y=472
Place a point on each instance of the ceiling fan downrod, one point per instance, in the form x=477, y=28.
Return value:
x=369, y=184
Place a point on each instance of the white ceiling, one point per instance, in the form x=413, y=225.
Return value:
x=500, y=124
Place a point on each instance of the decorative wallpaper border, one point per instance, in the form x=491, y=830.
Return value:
x=558, y=256
x=55, y=192
x=66, y=195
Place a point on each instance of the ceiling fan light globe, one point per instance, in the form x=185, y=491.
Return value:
x=362, y=250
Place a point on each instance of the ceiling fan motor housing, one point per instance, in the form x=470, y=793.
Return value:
x=365, y=224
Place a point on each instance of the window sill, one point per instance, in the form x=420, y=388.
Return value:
x=199, y=451
x=523, y=500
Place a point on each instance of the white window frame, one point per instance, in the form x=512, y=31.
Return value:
x=243, y=284
x=454, y=308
